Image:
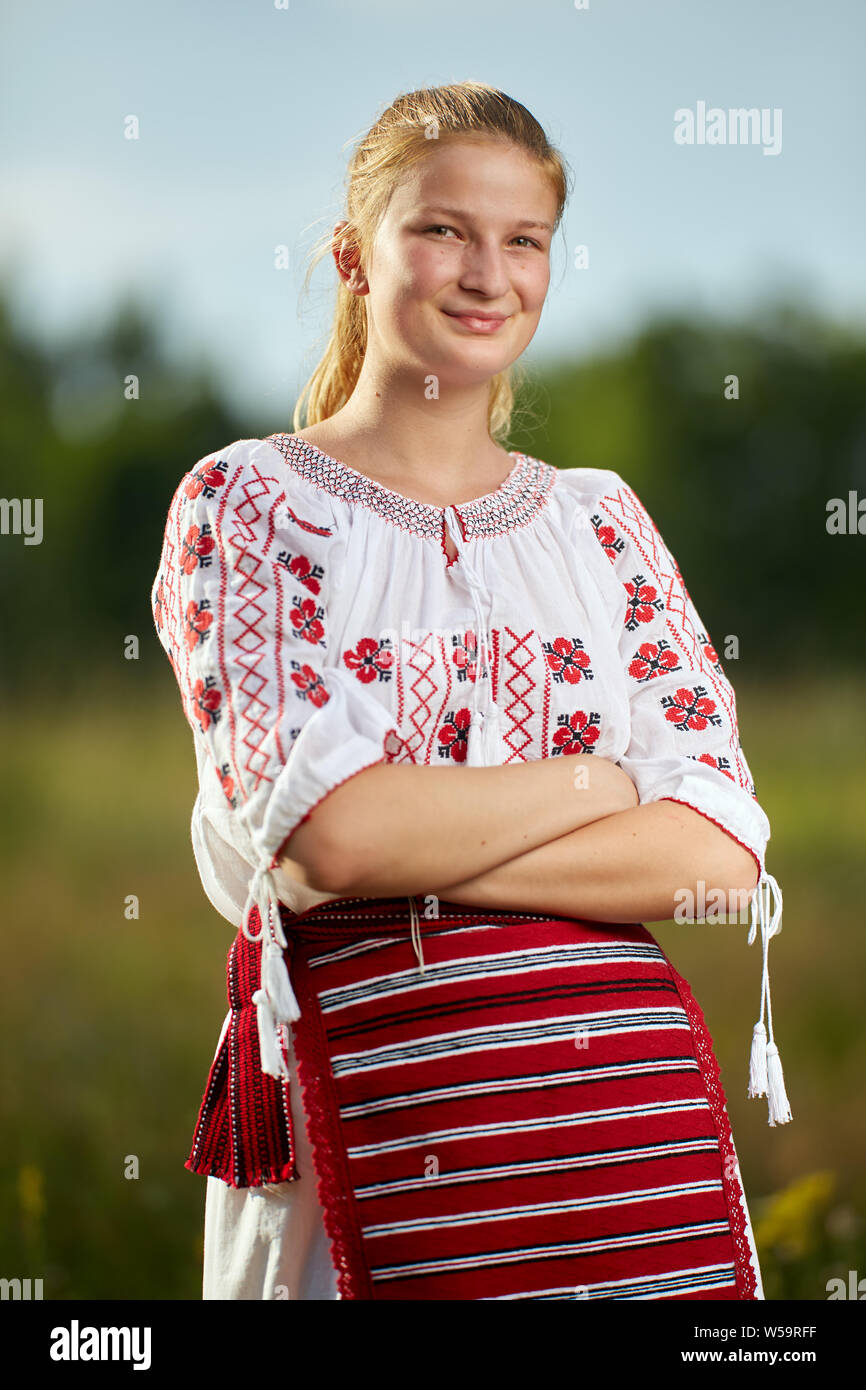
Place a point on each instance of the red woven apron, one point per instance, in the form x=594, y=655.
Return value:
x=539, y=1114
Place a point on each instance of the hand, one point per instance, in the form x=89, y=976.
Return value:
x=619, y=791
x=293, y=869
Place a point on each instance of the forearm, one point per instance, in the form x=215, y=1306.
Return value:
x=627, y=867
x=394, y=829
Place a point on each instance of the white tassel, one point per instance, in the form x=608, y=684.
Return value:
x=758, y=1062
x=475, y=748
x=780, y=1110
x=491, y=740
x=485, y=739
x=273, y=1061
x=275, y=999
x=277, y=984
x=765, y=1064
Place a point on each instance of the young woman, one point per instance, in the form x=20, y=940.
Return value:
x=459, y=730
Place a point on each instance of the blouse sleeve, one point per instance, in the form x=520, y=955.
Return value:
x=684, y=740
x=240, y=603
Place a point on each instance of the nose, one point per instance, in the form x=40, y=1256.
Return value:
x=483, y=268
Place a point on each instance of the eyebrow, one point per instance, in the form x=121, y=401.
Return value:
x=457, y=212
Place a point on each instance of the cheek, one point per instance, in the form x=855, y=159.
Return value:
x=406, y=288
x=407, y=274
x=424, y=271
x=535, y=286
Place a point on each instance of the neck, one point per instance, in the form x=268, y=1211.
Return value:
x=412, y=440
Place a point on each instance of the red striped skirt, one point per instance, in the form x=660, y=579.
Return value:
x=539, y=1114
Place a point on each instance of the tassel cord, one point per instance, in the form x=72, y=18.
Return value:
x=415, y=933
x=765, y=1064
x=275, y=1000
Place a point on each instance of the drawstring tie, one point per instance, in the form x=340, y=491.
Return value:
x=484, y=743
x=765, y=1064
x=275, y=1000
x=415, y=933
x=484, y=746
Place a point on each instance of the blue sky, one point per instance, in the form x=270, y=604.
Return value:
x=247, y=112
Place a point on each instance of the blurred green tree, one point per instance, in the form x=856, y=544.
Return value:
x=738, y=487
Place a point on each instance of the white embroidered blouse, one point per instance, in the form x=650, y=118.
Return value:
x=316, y=625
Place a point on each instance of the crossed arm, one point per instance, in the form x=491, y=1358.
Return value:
x=562, y=835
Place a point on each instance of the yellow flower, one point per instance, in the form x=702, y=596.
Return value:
x=31, y=1197
x=790, y=1219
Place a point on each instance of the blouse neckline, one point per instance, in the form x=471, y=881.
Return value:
x=514, y=503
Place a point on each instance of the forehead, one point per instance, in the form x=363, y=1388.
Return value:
x=468, y=174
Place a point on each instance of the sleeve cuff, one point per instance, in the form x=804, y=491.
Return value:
x=342, y=738
x=707, y=791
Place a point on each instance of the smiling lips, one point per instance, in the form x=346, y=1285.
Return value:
x=478, y=323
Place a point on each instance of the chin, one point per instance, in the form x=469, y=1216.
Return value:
x=458, y=369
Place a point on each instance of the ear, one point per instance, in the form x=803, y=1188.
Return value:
x=347, y=259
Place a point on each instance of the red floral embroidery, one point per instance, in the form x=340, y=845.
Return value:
x=465, y=655
x=197, y=548
x=309, y=684
x=301, y=569
x=750, y=786
x=653, y=659
x=690, y=709
x=396, y=748
x=577, y=732
x=227, y=784
x=206, y=478
x=721, y=764
x=454, y=735
x=197, y=622
x=567, y=660
x=371, y=660
x=643, y=601
x=607, y=537
x=159, y=610
x=306, y=619
x=709, y=650
x=206, y=698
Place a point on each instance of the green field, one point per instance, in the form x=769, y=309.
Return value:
x=111, y=1022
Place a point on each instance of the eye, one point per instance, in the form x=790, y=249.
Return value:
x=528, y=240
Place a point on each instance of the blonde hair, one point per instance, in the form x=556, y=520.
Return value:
x=397, y=140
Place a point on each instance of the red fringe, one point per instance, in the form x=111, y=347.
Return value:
x=746, y=1281
x=334, y=1186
